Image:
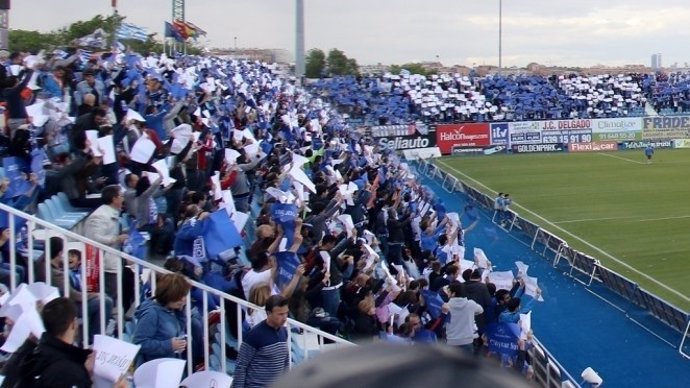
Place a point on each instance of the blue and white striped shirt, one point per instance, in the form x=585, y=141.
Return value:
x=263, y=357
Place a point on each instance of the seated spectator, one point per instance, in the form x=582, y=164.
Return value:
x=5, y=268
x=76, y=283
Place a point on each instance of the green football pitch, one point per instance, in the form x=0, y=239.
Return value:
x=632, y=216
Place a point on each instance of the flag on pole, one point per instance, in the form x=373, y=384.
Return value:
x=189, y=32
x=181, y=29
x=197, y=30
x=172, y=32
x=131, y=31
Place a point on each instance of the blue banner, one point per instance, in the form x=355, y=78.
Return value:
x=503, y=339
x=220, y=234
x=136, y=242
x=14, y=172
x=287, y=263
x=285, y=214
x=433, y=303
x=499, y=134
x=38, y=158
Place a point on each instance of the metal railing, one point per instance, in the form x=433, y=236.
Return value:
x=312, y=341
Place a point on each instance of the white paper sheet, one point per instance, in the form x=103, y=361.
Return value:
x=480, y=259
x=522, y=268
x=113, y=357
x=162, y=167
x=160, y=373
x=531, y=287
x=107, y=148
x=92, y=137
x=502, y=279
x=143, y=150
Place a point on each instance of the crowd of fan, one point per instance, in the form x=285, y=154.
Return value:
x=372, y=247
x=404, y=98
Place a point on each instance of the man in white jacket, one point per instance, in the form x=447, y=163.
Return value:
x=103, y=226
x=461, y=329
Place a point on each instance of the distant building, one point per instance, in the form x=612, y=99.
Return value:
x=377, y=69
x=255, y=54
x=656, y=61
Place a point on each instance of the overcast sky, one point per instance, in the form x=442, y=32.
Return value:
x=552, y=32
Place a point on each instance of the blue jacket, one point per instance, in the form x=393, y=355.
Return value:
x=156, y=326
x=50, y=86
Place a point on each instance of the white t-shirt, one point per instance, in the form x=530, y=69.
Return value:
x=252, y=278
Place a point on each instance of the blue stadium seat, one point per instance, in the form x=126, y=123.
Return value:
x=63, y=203
x=45, y=214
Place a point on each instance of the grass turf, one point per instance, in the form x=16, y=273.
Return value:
x=612, y=206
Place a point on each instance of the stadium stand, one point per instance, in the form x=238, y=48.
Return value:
x=248, y=186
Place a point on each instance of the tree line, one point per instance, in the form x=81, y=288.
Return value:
x=35, y=41
x=320, y=65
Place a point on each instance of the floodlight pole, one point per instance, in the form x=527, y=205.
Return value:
x=500, y=36
x=299, y=40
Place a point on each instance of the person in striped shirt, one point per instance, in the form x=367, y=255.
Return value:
x=264, y=353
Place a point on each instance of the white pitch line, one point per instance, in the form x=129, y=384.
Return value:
x=620, y=158
x=593, y=219
x=663, y=219
x=622, y=263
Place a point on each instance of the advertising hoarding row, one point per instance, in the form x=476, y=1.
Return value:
x=576, y=135
x=598, y=134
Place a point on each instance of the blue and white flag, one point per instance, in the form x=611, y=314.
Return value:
x=38, y=159
x=15, y=173
x=285, y=214
x=220, y=234
x=136, y=242
x=434, y=302
x=131, y=31
x=503, y=339
x=287, y=263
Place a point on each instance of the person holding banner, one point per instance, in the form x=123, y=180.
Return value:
x=56, y=362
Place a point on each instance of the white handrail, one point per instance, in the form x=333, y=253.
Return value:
x=52, y=230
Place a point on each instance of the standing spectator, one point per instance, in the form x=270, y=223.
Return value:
x=460, y=311
x=161, y=322
x=498, y=206
x=103, y=226
x=88, y=104
x=90, y=85
x=264, y=353
x=12, y=94
x=56, y=362
x=505, y=206
x=88, y=121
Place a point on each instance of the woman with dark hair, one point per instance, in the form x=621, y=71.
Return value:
x=149, y=219
x=161, y=321
x=146, y=210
